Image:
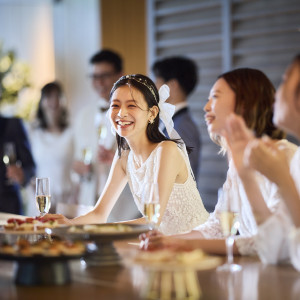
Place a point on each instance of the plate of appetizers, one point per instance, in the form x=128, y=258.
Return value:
x=44, y=261
x=106, y=231
x=22, y=226
x=42, y=250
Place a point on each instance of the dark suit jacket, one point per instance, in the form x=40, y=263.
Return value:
x=187, y=129
x=12, y=130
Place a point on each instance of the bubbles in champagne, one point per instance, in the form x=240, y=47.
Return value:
x=43, y=204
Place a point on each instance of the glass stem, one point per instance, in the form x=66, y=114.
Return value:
x=229, y=248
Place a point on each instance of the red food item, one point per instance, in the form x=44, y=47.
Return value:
x=19, y=221
x=12, y=220
x=29, y=220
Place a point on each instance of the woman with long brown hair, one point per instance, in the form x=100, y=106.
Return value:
x=250, y=94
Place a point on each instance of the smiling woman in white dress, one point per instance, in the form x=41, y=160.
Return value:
x=250, y=94
x=145, y=156
x=278, y=235
x=52, y=146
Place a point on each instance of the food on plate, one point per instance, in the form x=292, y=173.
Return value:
x=29, y=224
x=43, y=247
x=102, y=228
x=7, y=249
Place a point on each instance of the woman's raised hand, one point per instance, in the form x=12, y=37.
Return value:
x=266, y=157
x=237, y=137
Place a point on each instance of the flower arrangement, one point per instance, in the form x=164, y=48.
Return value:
x=14, y=83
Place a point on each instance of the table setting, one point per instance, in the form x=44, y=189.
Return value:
x=105, y=260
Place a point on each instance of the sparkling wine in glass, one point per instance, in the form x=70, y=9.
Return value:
x=229, y=220
x=42, y=195
x=102, y=134
x=151, y=204
x=9, y=156
x=87, y=155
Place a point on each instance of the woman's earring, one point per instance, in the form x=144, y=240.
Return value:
x=151, y=121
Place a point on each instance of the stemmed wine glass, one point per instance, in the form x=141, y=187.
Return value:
x=102, y=134
x=42, y=195
x=9, y=155
x=228, y=216
x=87, y=156
x=151, y=204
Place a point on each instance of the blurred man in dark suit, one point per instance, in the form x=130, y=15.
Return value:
x=16, y=167
x=181, y=75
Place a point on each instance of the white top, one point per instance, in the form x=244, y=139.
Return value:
x=234, y=188
x=53, y=154
x=184, y=209
x=274, y=243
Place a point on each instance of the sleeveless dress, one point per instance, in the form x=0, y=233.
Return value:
x=246, y=241
x=184, y=210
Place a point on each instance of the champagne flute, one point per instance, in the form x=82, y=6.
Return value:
x=228, y=216
x=9, y=156
x=42, y=195
x=102, y=134
x=151, y=204
x=87, y=155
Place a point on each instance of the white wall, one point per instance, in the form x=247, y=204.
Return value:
x=57, y=39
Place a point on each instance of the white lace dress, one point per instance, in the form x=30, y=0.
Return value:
x=234, y=188
x=184, y=209
x=277, y=239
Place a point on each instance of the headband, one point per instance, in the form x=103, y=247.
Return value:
x=166, y=110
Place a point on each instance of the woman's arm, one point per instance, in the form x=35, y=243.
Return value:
x=238, y=136
x=193, y=240
x=116, y=182
x=269, y=160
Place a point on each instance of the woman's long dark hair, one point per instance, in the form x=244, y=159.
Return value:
x=46, y=91
x=147, y=87
x=296, y=63
x=254, y=100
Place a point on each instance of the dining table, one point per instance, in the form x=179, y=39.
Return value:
x=129, y=279
x=255, y=281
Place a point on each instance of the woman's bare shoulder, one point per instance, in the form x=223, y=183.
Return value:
x=168, y=148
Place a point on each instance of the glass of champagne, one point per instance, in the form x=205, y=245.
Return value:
x=102, y=134
x=151, y=204
x=42, y=195
x=228, y=217
x=87, y=155
x=9, y=156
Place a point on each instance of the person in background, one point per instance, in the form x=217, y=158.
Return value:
x=17, y=166
x=52, y=143
x=250, y=94
x=146, y=158
x=181, y=75
x=278, y=235
x=95, y=144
